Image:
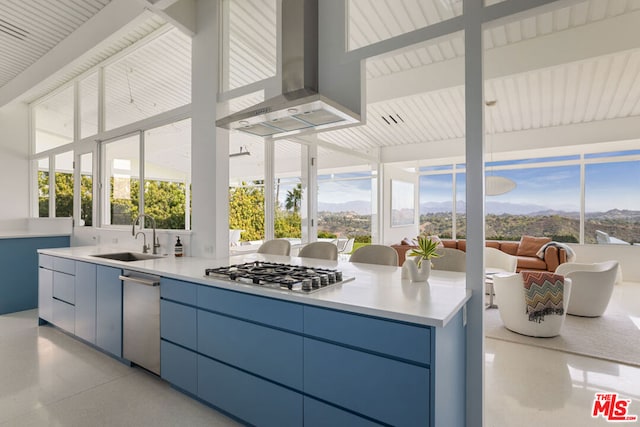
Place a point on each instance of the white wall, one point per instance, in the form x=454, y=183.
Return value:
x=626, y=255
x=14, y=161
x=393, y=235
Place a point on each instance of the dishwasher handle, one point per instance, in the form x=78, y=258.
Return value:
x=140, y=281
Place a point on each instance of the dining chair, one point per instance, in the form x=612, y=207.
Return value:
x=275, y=247
x=450, y=259
x=320, y=250
x=347, y=248
x=375, y=254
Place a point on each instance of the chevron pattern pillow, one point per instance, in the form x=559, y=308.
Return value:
x=543, y=294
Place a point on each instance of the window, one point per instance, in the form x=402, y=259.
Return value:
x=64, y=185
x=346, y=196
x=88, y=89
x=149, y=81
x=545, y=202
x=248, y=51
x=121, y=184
x=246, y=188
x=43, y=187
x=290, y=191
x=153, y=79
x=167, y=175
x=53, y=121
x=612, y=202
x=436, y=205
x=372, y=21
x=86, y=190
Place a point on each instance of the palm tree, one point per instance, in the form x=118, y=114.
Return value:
x=294, y=197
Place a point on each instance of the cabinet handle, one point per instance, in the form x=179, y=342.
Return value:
x=140, y=281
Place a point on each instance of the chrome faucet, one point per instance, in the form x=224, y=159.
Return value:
x=145, y=248
x=154, y=241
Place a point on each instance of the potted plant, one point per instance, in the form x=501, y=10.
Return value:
x=426, y=249
x=415, y=269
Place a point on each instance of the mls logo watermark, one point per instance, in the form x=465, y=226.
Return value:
x=609, y=407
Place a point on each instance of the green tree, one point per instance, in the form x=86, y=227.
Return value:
x=294, y=198
x=64, y=195
x=246, y=210
x=43, y=194
x=86, y=199
x=165, y=201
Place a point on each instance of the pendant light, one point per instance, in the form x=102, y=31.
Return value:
x=494, y=185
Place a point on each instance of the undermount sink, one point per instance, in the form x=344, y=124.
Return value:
x=128, y=256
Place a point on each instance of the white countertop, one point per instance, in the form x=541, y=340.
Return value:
x=22, y=234
x=377, y=290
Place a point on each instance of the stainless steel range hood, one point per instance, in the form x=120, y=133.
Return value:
x=301, y=106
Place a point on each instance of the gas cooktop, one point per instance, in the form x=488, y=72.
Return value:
x=297, y=278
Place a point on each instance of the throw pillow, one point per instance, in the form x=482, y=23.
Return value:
x=529, y=245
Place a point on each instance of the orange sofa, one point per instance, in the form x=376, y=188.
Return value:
x=525, y=250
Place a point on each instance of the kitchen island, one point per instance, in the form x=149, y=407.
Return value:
x=375, y=350
x=18, y=263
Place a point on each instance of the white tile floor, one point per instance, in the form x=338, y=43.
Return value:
x=50, y=379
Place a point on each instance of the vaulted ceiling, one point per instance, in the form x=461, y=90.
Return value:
x=556, y=74
x=29, y=29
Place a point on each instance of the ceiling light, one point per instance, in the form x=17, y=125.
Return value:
x=494, y=185
x=243, y=152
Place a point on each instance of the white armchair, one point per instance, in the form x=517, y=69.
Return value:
x=497, y=261
x=510, y=295
x=592, y=286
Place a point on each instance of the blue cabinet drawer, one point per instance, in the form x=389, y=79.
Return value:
x=64, y=315
x=45, y=261
x=178, y=323
x=179, y=366
x=386, y=390
x=382, y=336
x=318, y=414
x=177, y=290
x=64, y=287
x=268, y=311
x=267, y=352
x=64, y=265
x=86, y=301
x=255, y=401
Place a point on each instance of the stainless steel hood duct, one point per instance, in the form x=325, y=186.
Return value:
x=300, y=107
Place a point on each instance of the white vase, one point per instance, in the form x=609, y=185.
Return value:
x=411, y=271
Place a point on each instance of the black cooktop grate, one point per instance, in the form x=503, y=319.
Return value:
x=285, y=276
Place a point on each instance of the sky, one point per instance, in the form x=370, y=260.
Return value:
x=608, y=186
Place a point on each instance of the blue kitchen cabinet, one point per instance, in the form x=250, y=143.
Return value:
x=85, y=301
x=64, y=295
x=56, y=292
x=19, y=266
x=260, y=350
x=388, y=390
x=252, y=399
x=319, y=414
x=178, y=334
x=272, y=362
x=45, y=294
x=179, y=366
x=109, y=309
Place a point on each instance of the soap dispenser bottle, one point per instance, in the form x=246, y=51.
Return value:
x=178, y=248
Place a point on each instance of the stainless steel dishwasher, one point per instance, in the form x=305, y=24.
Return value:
x=141, y=319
